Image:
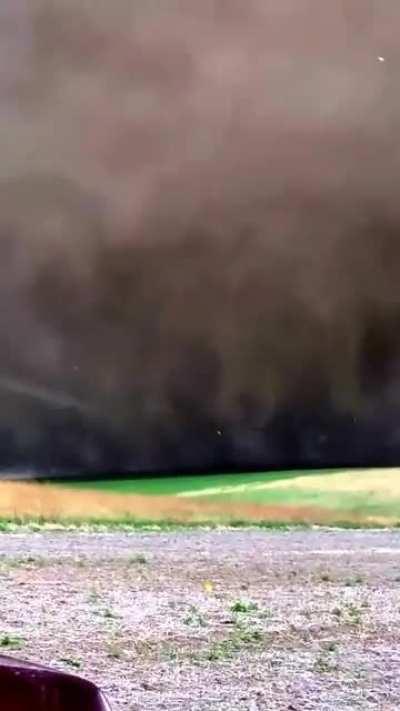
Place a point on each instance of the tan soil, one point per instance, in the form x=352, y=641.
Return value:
x=148, y=615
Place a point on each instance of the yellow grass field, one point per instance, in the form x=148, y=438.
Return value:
x=31, y=501
x=380, y=483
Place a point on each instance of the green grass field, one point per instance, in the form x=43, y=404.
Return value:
x=177, y=484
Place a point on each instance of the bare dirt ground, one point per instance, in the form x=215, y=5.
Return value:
x=203, y=620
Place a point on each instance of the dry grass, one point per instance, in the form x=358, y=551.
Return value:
x=377, y=482
x=24, y=501
x=30, y=500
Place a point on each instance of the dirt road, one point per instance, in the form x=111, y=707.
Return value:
x=203, y=620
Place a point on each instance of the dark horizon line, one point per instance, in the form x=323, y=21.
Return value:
x=131, y=475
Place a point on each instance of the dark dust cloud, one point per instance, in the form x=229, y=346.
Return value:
x=199, y=234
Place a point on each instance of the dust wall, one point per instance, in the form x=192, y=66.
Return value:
x=199, y=234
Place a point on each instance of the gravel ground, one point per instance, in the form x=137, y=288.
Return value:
x=204, y=620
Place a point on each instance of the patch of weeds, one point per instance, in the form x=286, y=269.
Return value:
x=361, y=673
x=11, y=642
x=71, y=662
x=324, y=664
x=248, y=636
x=326, y=578
x=40, y=561
x=228, y=647
x=241, y=606
x=110, y=615
x=170, y=653
x=195, y=618
x=21, y=562
x=94, y=596
x=150, y=649
x=353, y=613
x=11, y=562
x=265, y=614
x=5, y=526
x=352, y=582
x=114, y=650
x=138, y=559
x=218, y=651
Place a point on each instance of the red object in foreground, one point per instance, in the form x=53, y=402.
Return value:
x=29, y=687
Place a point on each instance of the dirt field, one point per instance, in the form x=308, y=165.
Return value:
x=205, y=620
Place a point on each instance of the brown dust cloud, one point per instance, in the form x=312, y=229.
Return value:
x=199, y=234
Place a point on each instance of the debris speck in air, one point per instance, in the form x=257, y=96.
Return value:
x=381, y=59
x=219, y=433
